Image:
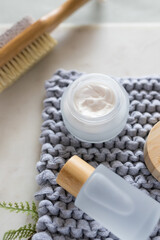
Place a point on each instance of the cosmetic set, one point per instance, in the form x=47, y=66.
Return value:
x=95, y=109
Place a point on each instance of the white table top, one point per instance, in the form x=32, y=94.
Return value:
x=95, y=11
x=114, y=49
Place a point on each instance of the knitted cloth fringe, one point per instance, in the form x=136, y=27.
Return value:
x=59, y=219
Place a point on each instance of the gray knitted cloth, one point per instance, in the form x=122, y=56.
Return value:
x=59, y=219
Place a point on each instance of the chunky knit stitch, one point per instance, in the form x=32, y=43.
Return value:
x=59, y=219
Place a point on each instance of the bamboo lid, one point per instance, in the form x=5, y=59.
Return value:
x=152, y=151
x=74, y=174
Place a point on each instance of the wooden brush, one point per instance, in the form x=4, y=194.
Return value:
x=33, y=43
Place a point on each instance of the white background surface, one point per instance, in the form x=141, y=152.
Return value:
x=93, y=12
x=115, y=49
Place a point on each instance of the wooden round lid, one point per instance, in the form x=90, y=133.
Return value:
x=74, y=174
x=152, y=151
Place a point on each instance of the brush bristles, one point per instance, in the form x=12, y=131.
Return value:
x=18, y=65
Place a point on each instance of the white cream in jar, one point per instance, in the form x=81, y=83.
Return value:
x=95, y=108
x=94, y=99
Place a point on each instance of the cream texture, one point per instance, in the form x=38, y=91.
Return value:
x=93, y=99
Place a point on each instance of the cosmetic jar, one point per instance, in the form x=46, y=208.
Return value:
x=103, y=121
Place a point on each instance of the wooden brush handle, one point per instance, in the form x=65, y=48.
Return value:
x=46, y=23
x=53, y=19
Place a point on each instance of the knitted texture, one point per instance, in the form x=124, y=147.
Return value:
x=59, y=219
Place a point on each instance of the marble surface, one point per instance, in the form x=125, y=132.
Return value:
x=113, y=49
x=96, y=11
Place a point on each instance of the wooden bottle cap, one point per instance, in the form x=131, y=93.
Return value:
x=152, y=151
x=74, y=174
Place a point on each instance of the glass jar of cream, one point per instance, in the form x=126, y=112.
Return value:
x=95, y=108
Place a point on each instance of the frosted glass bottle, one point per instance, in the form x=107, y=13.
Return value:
x=123, y=209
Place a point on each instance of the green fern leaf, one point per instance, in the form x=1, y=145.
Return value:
x=23, y=232
x=21, y=207
x=10, y=204
x=27, y=206
x=34, y=208
x=16, y=205
x=3, y=204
